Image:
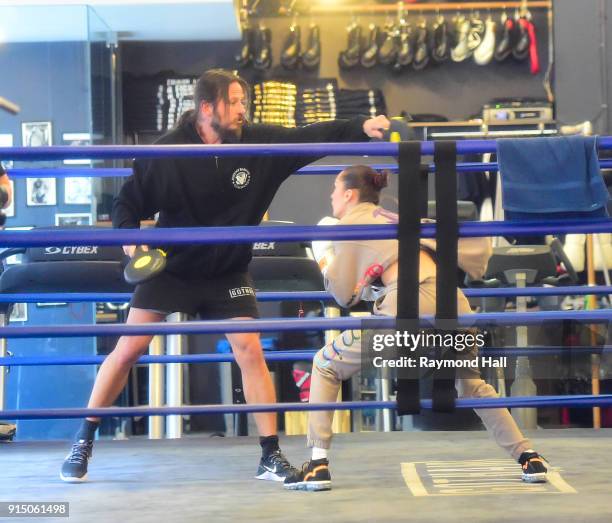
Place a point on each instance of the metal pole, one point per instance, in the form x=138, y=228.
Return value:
x=591, y=305
x=382, y=394
x=225, y=377
x=156, y=388
x=174, y=379
x=523, y=383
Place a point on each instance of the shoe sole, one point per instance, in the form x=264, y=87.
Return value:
x=70, y=479
x=270, y=476
x=540, y=477
x=310, y=486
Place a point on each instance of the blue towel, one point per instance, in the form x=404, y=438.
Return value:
x=552, y=175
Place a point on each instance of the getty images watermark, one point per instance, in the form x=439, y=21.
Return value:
x=413, y=349
x=407, y=352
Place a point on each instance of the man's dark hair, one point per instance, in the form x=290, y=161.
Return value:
x=211, y=87
x=369, y=182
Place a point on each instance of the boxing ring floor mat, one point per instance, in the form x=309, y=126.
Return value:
x=381, y=477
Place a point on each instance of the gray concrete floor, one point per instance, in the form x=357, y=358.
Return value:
x=210, y=479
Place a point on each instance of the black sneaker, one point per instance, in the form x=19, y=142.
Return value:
x=74, y=469
x=314, y=476
x=534, y=466
x=275, y=467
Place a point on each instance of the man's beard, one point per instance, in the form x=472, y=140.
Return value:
x=225, y=134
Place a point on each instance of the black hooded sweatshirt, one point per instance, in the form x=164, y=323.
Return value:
x=217, y=191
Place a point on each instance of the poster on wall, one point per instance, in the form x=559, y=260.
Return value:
x=40, y=191
x=71, y=219
x=6, y=140
x=77, y=191
x=77, y=140
x=36, y=134
x=19, y=312
x=10, y=210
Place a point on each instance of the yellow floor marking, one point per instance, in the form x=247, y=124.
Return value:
x=411, y=477
x=476, y=478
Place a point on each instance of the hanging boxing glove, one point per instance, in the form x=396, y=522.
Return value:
x=370, y=54
x=439, y=41
x=520, y=51
x=534, y=59
x=245, y=56
x=475, y=34
x=263, y=54
x=406, y=48
x=389, y=48
x=290, y=55
x=504, y=47
x=349, y=58
x=461, y=52
x=312, y=56
x=421, y=55
x=484, y=54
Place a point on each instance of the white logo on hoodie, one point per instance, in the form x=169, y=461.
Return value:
x=241, y=178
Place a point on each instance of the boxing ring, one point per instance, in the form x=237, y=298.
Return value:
x=379, y=476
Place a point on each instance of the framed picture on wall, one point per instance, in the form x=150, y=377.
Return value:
x=6, y=140
x=77, y=191
x=36, y=134
x=40, y=191
x=77, y=140
x=71, y=219
x=10, y=210
x=19, y=312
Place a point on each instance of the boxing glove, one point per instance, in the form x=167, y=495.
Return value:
x=461, y=51
x=405, y=53
x=312, y=56
x=421, y=57
x=484, y=53
x=291, y=54
x=323, y=250
x=504, y=48
x=349, y=58
x=369, y=56
x=263, y=54
x=387, y=53
x=245, y=56
x=439, y=41
x=475, y=34
x=520, y=51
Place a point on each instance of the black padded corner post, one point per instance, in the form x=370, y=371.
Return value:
x=410, y=194
x=447, y=232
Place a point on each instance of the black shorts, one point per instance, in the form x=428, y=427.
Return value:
x=227, y=296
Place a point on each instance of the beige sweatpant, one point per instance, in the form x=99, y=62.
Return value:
x=341, y=359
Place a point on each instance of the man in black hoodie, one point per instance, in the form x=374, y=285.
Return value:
x=210, y=280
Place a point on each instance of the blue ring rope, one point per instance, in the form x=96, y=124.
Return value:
x=315, y=169
x=462, y=403
x=297, y=149
x=495, y=292
x=302, y=324
x=29, y=361
x=278, y=356
x=282, y=233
